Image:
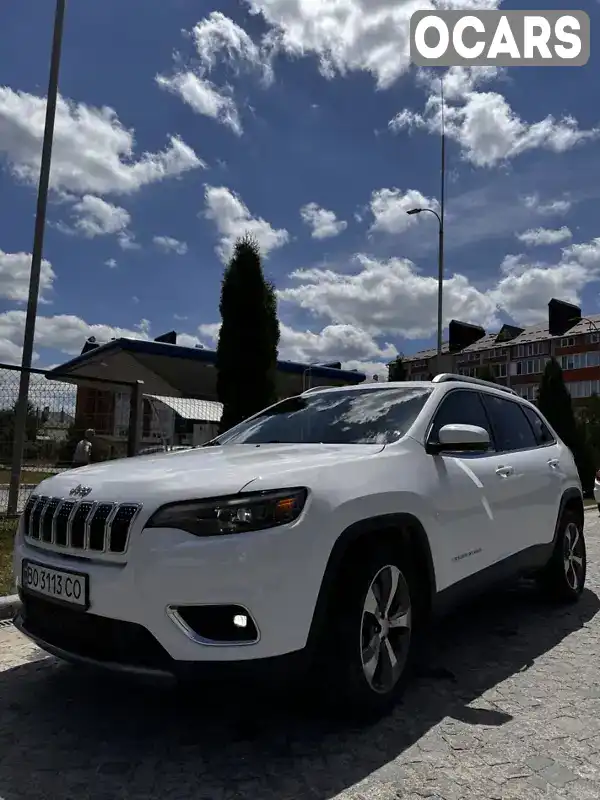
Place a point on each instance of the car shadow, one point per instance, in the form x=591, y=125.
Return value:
x=64, y=733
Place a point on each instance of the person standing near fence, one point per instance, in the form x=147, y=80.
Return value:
x=83, y=451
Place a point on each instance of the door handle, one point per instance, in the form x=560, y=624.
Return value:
x=553, y=463
x=504, y=472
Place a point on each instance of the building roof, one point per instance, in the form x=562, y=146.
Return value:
x=187, y=408
x=199, y=355
x=531, y=333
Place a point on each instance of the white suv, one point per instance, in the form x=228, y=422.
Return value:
x=320, y=534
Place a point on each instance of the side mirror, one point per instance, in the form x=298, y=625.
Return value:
x=460, y=438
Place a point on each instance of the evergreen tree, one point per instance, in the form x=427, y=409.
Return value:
x=397, y=370
x=554, y=401
x=486, y=373
x=249, y=337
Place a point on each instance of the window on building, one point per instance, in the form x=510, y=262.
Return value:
x=532, y=366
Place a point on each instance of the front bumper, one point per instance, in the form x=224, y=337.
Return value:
x=274, y=574
x=130, y=650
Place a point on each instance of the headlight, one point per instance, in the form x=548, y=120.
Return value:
x=234, y=514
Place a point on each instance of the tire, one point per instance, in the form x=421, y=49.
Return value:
x=369, y=626
x=563, y=578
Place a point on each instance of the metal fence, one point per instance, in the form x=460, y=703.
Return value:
x=58, y=415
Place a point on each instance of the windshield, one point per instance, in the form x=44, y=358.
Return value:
x=359, y=416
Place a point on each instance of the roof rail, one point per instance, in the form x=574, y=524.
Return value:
x=444, y=377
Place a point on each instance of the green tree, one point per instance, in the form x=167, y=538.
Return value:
x=249, y=336
x=486, y=373
x=554, y=401
x=397, y=370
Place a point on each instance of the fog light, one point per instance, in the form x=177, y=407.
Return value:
x=240, y=621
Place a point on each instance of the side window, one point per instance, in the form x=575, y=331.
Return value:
x=513, y=431
x=460, y=407
x=540, y=429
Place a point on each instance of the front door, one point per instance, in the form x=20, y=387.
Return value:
x=466, y=502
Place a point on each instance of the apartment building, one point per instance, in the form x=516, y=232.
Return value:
x=517, y=356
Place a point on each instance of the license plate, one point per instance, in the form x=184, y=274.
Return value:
x=60, y=585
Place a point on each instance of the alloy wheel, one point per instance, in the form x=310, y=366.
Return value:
x=386, y=628
x=573, y=556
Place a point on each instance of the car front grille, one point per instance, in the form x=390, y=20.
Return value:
x=79, y=526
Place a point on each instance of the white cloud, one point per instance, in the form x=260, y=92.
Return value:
x=233, y=219
x=127, y=241
x=386, y=297
x=352, y=346
x=484, y=125
x=389, y=207
x=393, y=298
x=93, y=152
x=218, y=38
x=351, y=35
x=535, y=237
x=64, y=332
x=170, y=245
x=95, y=217
x=15, y=271
x=551, y=208
x=324, y=223
x=203, y=97
x=111, y=263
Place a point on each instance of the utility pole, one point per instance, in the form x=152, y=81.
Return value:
x=36, y=259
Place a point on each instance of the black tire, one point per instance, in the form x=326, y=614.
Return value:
x=563, y=578
x=340, y=673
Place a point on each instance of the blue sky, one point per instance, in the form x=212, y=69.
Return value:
x=179, y=130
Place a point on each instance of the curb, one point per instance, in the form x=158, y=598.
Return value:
x=8, y=606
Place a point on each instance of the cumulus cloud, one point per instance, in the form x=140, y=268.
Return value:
x=394, y=298
x=217, y=38
x=15, y=271
x=488, y=131
x=535, y=237
x=233, y=219
x=96, y=217
x=170, y=245
x=323, y=223
x=351, y=35
x=203, y=97
x=389, y=209
x=93, y=152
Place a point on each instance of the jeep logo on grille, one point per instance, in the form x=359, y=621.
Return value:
x=80, y=491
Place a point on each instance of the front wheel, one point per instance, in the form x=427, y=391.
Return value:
x=563, y=578
x=369, y=636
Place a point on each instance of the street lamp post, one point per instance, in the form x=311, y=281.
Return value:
x=36, y=259
x=440, y=218
x=440, y=299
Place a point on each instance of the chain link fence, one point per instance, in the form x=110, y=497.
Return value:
x=58, y=415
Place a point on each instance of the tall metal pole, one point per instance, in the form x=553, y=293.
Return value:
x=440, y=304
x=36, y=259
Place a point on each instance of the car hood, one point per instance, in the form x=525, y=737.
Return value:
x=200, y=472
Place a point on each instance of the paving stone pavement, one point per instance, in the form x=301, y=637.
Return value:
x=508, y=707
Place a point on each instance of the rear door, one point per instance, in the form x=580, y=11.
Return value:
x=526, y=482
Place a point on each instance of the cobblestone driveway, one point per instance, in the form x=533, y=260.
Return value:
x=508, y=707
